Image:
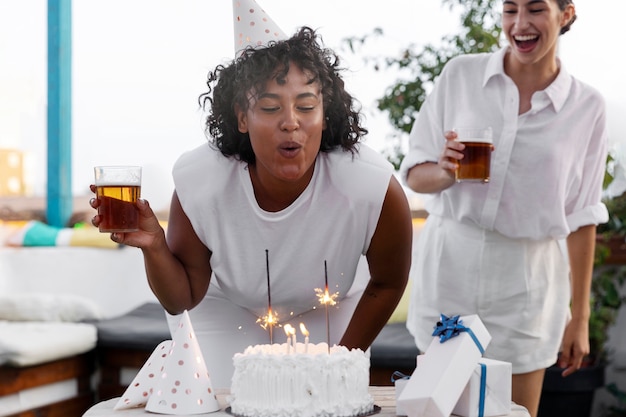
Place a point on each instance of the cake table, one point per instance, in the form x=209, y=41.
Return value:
x=384, y=397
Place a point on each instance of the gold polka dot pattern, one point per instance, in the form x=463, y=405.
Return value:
x=252, y=26
x=174, y=380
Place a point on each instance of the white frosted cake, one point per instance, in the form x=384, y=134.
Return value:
x=270, y=382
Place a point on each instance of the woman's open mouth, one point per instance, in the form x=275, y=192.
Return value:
x=289, y=150
x=526, y=43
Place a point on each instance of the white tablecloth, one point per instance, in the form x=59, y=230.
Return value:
x=384, y=397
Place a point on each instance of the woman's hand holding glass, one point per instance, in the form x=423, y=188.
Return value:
x=149, y=234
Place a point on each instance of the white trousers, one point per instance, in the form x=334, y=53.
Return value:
x=519, y=288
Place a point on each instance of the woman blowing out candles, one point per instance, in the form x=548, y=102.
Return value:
x=285, y=171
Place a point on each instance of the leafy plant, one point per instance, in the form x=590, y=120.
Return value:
x=480, y=32
x=616, y=226
x=606, y=300
x=609, y=271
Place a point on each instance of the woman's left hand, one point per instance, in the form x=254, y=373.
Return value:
x=575, y=346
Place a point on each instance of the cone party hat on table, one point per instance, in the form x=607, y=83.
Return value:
x=146, y=380
x=175, y=380
x=252, y=26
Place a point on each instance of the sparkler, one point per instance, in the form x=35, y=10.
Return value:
x=271, y=319
x=268, y=321
x=326, y=299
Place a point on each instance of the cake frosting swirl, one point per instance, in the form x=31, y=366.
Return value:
x=273, y=381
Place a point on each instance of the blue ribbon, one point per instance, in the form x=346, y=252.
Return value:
x=483, y=383
x=449, y=327
x=398, y=375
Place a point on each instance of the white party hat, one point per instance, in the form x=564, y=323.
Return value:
x=184, y=386
x=252, y=26
x=175, y=379
x=145, y=382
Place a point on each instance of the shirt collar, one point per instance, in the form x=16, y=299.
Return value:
x=557, y=92
x=495, y=66
x=560, y=87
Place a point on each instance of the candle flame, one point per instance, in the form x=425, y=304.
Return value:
x=303, y=330
x=324, y=297
x=289, y=329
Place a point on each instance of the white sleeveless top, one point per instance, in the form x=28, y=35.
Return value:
x=333, y=221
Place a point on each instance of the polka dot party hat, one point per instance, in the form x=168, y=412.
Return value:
x=175, y=379
x=146, y=380
x=252, y=26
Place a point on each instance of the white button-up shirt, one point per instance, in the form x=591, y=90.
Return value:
x=547, y=165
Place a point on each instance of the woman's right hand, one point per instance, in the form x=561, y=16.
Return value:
x=452, y=153
x=150, y=233
x=431, y=177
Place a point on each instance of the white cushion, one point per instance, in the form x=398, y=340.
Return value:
x=48, y=307
x=32, y=343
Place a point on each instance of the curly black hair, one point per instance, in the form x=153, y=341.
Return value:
x=230, y=86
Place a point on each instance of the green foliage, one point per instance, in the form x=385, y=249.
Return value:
x=480, y=32
x=617, y=216
x=609, y=271
x=616, y=226
x=606, y=300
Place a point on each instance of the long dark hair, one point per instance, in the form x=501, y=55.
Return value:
x=230, y=86
x=562, y=5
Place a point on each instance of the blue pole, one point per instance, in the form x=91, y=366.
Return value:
x=59, y=187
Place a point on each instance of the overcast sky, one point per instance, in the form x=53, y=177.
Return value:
x=139, y=66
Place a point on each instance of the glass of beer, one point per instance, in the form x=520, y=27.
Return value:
x=476, y=163
x=118, y=188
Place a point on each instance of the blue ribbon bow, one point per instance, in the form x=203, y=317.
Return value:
x=449, y=327
x=398, y=375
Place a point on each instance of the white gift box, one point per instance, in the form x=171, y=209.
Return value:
x=495, y=392
x=400, y=384
x=491, y=383
x=445, y=369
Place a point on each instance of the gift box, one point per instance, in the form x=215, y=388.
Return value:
x=399, y=381
x=445, y=368
x=488, y=392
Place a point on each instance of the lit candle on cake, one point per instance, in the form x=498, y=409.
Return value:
x=289, y=331
x=305, y=332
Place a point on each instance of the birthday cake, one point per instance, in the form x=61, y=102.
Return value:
x=273, y=381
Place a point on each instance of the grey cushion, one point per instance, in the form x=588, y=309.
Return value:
x=394, y=347
x=142, y=328
x=145, y=327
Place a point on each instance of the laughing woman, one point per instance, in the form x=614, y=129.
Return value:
x=494, y=249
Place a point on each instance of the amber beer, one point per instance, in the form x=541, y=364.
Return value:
x=118, y=208
x=476, y=163
x=118, y=189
